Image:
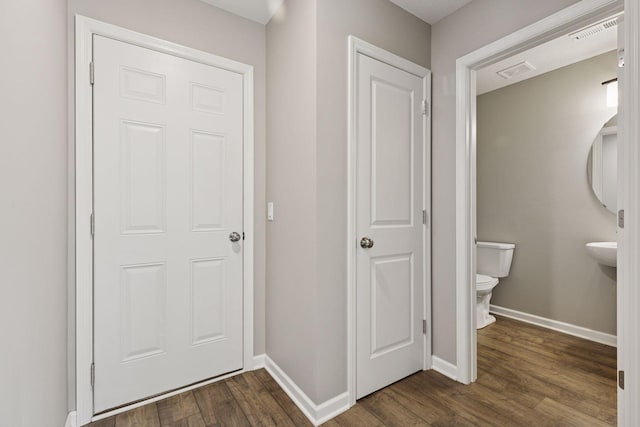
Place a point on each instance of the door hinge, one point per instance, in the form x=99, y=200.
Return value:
x=93, y=375
x=621, y=218
x=426, y=108
x=621, y=379
x=92, y=225
x=91, y=73
x=424, y=326
x=424, y=217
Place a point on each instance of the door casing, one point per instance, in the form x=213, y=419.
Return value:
x=81, y=176
x=357, y=47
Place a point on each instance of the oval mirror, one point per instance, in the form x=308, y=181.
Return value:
x=602, y=168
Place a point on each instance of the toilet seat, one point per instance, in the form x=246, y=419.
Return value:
x=485, y=283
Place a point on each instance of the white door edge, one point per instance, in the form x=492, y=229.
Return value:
x=575, y=16
x=356, y=47
x=629, y=236
x=80, y=226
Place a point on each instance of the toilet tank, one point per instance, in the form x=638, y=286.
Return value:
x=494, y=259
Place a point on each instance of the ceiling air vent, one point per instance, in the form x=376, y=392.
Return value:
x=516, y=70
x=594, y=29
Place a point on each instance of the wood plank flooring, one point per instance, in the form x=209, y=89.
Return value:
x=527, y=376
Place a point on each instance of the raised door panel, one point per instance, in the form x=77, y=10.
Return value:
x=144, y=311
x=392, y=154
x=208, y=183
x=143, y=178
x=208, y=99
x=141, y=85
x=392, y=303
x=208, y=301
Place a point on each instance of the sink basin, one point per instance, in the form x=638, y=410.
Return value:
x=606, y=253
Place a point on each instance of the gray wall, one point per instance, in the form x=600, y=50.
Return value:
x=291, y=181
x=195, y=24
x=33, y=176
x=473, y=26
x=387, y=26
x=533, y=142
x=307, y=175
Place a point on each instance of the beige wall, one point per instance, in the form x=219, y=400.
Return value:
x=197, y=25
x=33, y=171
x=307, y=175
x=473, y=26
x=533, y=141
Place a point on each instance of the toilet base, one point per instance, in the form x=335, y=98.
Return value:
x=483, y=318
x=489, y=319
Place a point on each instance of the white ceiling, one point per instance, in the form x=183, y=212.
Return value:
x=431, y=11
x=261, y=11
x=547, y=57
x=257, y=10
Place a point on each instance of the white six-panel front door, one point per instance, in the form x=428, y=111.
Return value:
x=167, y=195
x=389, y=284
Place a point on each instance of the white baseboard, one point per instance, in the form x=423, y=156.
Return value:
x=445, y=368
x=567, y=328
x=258, y=361
x=317, y=414
x=71, y=419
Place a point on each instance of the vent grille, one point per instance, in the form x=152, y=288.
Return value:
x=594, y=29
x=516, y=70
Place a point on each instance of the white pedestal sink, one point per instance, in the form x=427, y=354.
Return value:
x=606, y=253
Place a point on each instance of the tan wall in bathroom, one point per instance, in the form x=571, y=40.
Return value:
x=533, y=143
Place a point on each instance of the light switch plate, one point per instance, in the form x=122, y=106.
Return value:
x=270, y=211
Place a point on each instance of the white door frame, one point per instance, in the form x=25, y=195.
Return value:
x=575, y=16
x=85, y=28
x=357, y=46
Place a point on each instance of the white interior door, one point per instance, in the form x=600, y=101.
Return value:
x=390, y=203
x=167, y=194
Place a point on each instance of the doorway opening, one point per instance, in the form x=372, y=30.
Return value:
x=573, y=18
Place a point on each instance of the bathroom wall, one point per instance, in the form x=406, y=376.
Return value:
x=533, y=142
x=33, y=176
x=473, y=26
x=307, y=174
x=198, y=25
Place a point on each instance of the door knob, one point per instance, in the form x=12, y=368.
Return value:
x=366, y=243
x=234, y=237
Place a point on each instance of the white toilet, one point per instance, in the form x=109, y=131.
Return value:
x=493, y=262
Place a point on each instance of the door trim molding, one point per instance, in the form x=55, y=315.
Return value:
x=81, y=172
x=358, y=46
x=445, y=368
x=572, y=17
x=629, y=236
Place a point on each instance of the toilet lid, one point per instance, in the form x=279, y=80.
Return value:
x=485, y=282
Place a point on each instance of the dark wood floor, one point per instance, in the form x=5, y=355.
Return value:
x=527, y=376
